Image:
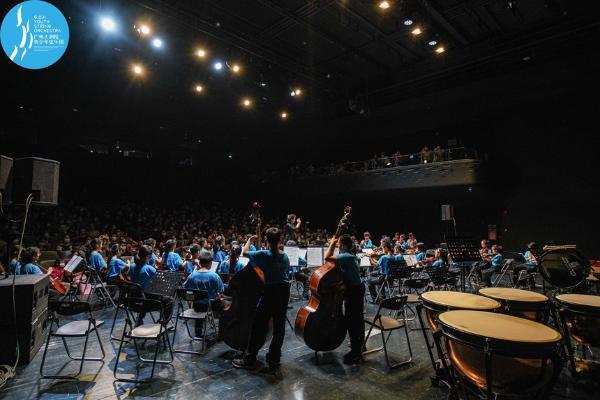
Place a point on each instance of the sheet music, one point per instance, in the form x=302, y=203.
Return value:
x=365, y=261
x=293, y=253
x=410, y=259
x=73, y=263
x=367, y=251
x=314, y=256
x=214, y=266
x=244, y=260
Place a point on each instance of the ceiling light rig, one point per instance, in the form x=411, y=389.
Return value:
x=218, y=66
x=417, y=31
x=144, y=29
x=200, y=53
x=108, y=24
x=283, y=115
x=246, y=102
x=137, y=69
x=432, y=42
x=384, y=5
x=407, y=22
x=198, y=88
x=157, y=43
x=235, y=68
x=440, y=50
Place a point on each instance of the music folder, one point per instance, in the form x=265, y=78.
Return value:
x=410, y=259
x=214, y=266
x=73, y=263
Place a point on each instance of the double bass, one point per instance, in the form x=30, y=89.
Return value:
x=320, y=323
x=245, y=290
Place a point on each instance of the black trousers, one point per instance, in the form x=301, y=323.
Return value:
x=355, y=318
x=273, y=304
x=215, y=305
x=167, y=303
x=302, y=278
x=530, y=269
x=374, y=283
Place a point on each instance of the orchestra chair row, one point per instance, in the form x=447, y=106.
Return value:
x=188, y=313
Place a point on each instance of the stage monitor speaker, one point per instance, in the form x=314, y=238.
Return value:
x=31, y=299
x=6, y=166
x=38, y=176
x=447, y=212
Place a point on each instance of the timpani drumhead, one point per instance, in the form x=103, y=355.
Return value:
x=458, y=300
x=499, y=326
x=584, y=300
x=516, y=295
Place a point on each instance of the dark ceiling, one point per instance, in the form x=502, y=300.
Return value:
x=349, y=57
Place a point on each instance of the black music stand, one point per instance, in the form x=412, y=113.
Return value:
x=463, y=250
x=165, y=283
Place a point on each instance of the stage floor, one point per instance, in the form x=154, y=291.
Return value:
x=212, y=376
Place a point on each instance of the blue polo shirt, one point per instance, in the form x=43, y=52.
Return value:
x=31, y=269
x=220, y=256
x=142, y=275
x=529, y=258
x=420, y=256
x=97, y=261
x=189, y=267
x=497, y=261
x=205, y=280
x=153, y=259
x=382, y=263
x=276, y=267
x=437, y=263
x=173, y=261
x=14, y=267
x=115, y=266
x=350, y=266
x=367, y=245
x=224, y=266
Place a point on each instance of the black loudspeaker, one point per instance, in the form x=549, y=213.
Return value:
x=6, y=165
x=447, y=212
x=38, y=176
x=31, y=299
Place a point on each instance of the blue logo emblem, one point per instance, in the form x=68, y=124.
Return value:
x=34, y=34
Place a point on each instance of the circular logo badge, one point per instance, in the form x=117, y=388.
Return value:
x=34, y=34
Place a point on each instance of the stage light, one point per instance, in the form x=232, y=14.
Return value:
x=283, y=115
x=157, y=42
x=440, y=49
x=432, y=42
x=246, y=102
x=292, y=93
x=144, y=29
x=137, y=69
x=384, y=5
x=417, y=31
x=297, y=92
x=108, y=24
x=199, y=88
x=201, y=53
x=218, y=66
x=408, y=22
x=236, y=68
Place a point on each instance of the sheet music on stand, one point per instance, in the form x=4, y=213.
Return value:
x=314, y=256
x=73, y=263
x=165, y=283
x=410, y=259
x=214, y=266
x=302, y=253
x=365, y=261
x=293, y=253
x=463, y=250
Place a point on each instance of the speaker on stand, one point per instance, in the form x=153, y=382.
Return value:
x=448, y=221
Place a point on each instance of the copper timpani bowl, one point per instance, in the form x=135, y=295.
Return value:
x=581, y=314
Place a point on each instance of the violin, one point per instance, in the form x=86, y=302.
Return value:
x=245, y=289
x=320, y=323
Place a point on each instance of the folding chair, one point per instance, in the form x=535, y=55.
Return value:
x=72, y=329
x=506, y=266
x=387, y=324
x=189, y=314
x=126, y=289
x=155, y=331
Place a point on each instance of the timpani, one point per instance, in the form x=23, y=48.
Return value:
x=501, y=354
x=581, y=317
x=438, y=301
x=520, y=303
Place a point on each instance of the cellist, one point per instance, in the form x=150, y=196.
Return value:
x=349, y=263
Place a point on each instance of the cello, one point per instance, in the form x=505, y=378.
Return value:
x=320, y=323
x=245, y=289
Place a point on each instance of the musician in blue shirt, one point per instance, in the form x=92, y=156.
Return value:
x=347, y=261
x=116, y=265
x=275, y=266
x=202, y=278
x=96, y=260
x=531, y=265
x=497, y=261
x=172, y=260
x=233, y=263
x=219, y=253
x=366, y=243
x=154, y=259
x=141, y=272
x=441, y=258
x=29, y=262
x=421, y=252
x=379, y=274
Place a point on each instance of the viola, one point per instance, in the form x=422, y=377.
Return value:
x=320, y=323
